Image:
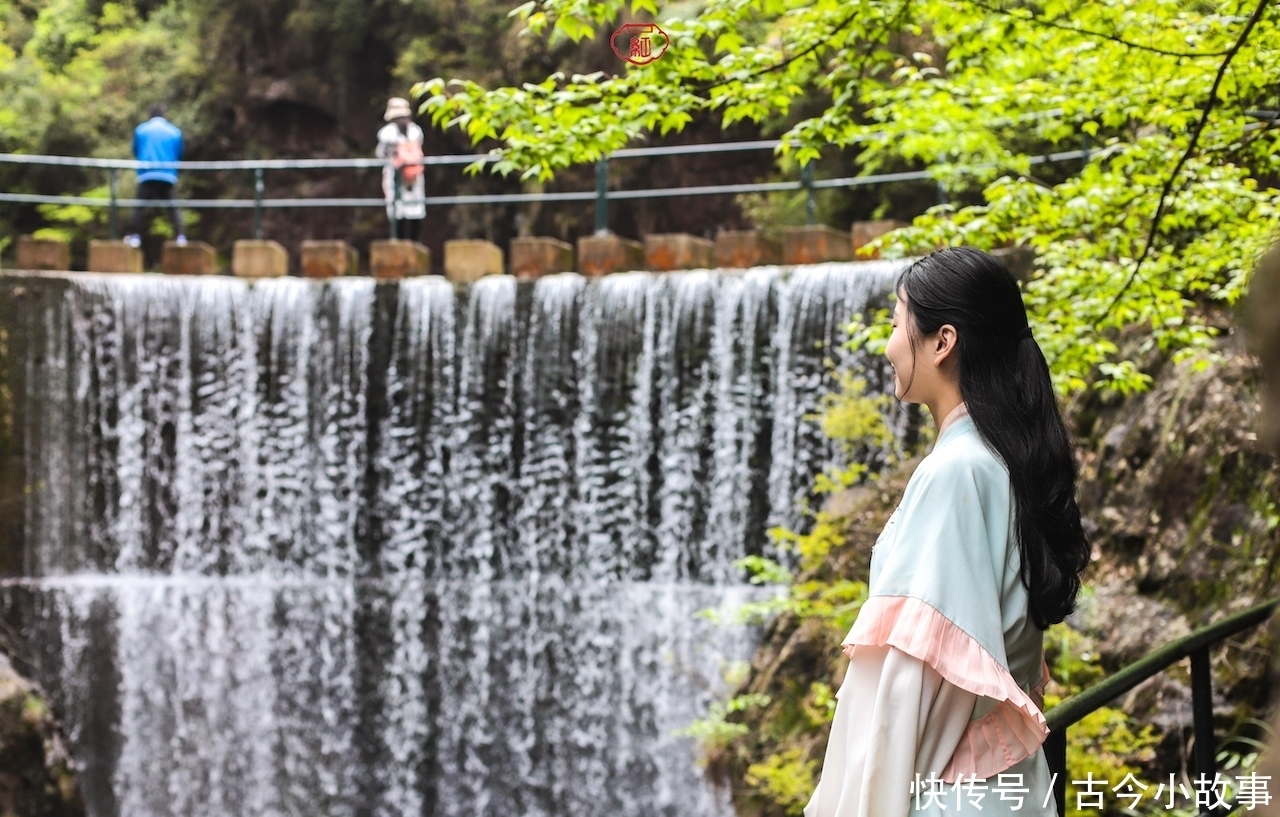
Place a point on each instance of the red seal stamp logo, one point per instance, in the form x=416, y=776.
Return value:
x=639, y=43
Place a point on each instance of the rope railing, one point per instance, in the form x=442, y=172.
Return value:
x=601, y=195
x=233, y=164
x=454, y=159
x=1196, y=646
x=358, y=163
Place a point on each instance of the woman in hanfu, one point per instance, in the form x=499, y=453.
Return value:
x=983, y=553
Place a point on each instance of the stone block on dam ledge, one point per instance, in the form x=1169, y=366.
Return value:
x=329, y=259
x=396, y=258
x=536, y=256
x=664, y=252
x=603, y=254
x=192, y=258
x=114, y=256
x=470, y=259
x=742, y=249
x=815, y=244
x=259, y=259
x=43, y=253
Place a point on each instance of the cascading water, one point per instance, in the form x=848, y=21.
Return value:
x=358, y=549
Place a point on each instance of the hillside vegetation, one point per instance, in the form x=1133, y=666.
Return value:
x=310, y=79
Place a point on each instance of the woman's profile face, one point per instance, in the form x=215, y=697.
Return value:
x=899, y=348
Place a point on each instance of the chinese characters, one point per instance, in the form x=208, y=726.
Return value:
x=1248, y=791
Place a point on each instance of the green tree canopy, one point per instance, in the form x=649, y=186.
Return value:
x=1165, y=217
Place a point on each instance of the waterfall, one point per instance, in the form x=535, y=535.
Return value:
x=358, y=548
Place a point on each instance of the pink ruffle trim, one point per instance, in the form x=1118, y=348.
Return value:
x=1010, y=732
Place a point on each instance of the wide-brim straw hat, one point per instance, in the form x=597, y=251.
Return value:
x=396, y=108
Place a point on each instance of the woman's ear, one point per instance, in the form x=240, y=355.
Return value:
x=944, y=345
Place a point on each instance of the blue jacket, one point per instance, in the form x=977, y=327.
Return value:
x=157, y=140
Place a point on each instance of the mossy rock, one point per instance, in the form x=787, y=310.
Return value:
x=36, y=777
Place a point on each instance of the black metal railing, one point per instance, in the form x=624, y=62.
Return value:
x=602, y=194
x=1196, y=646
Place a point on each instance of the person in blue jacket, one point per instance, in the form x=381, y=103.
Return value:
x=157, y=140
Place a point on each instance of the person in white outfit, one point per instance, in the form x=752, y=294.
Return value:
x=940, y=710
x=403, y=185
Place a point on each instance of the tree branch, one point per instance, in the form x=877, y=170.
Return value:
x=1090, y=33
x=703, y=87
x=1189, y=152
x=840, y=26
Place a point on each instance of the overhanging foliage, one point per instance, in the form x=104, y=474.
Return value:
x=973, y=89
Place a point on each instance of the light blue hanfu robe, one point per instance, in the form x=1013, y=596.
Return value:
x=947, y=669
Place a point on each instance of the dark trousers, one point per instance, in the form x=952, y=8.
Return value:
x=160, y=192
x=407, y=229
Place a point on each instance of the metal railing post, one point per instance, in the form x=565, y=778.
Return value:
x=1202, y=715
x=258, y=185
x=942, y=193
x=810, y=205
x=395, y=201
x=113, y=219
x=602, y=197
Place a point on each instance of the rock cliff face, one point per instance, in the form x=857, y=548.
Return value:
x=1181, y=506
x=1178, y=492
x=36, y=778
x=1180, y=502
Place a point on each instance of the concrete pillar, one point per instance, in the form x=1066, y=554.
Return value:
x=43, y=253
x=196, y=258
x=259, y=259
x=863, y=232
x=815, y=244
x=603, y=254
x=329, y=259
x=469, y=259
x=114, y=256
x=538, y=256
x=739, y=249
x=672, y=251
x=394, y=258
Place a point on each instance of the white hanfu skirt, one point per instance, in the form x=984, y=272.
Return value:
x=897, y=723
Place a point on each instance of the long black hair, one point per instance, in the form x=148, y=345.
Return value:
x=1005, y=384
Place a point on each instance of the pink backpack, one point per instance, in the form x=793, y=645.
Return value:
x=408, y=157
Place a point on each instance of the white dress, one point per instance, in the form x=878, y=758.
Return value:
x=939, y=712
x=413, y=197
